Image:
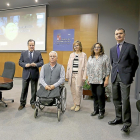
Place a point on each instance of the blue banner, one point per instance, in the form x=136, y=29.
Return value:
x=63, y=40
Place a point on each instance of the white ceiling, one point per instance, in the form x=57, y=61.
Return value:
x=22, y=3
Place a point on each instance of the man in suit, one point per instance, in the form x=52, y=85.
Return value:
x=30, y=60
x=124, y=61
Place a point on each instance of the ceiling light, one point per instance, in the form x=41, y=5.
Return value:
x=8, y=4
x=36, y=0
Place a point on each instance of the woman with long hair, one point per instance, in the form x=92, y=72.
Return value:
x=98, y=71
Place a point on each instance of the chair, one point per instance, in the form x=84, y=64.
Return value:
x=138, y=105
x=138, y=108
x=8, y=72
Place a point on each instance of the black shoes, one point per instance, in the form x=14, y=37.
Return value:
x=0, y=95
x=21, y=107
x=94, y=113
x=125, y=128
x=101, y=115
x=114, y=122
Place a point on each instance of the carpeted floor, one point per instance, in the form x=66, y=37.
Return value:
x=21, y=125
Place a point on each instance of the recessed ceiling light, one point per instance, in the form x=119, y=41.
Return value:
x=36, y=0
x=8, y=4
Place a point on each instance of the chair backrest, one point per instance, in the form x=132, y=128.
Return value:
x=138, y=105
x=9, y=70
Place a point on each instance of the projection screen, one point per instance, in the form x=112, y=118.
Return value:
x=19, y=25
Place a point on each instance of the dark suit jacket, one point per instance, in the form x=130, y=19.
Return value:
x=24, y=59
x=126, y=64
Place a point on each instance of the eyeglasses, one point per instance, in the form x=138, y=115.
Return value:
x=97, y=47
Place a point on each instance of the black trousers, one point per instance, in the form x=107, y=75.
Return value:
x=0, y=95
x=25, y=85
x=121, y=101
x=98, y=92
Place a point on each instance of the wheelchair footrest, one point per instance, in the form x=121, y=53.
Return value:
x=46, y=101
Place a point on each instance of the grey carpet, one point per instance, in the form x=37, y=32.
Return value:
x=21, y=125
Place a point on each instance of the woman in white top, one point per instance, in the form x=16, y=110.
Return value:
x=76, y=73
x=98, y=71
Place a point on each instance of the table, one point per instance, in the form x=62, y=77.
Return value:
x=4, y=80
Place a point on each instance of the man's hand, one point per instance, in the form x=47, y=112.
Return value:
x=47, y=87
x=28, y=65
x=52, y=87
x=33, y=64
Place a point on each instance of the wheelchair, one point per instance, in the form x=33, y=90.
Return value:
x=59, y=102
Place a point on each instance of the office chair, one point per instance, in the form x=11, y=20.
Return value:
x=138, y=105
x=8, y=72
x=138, y=108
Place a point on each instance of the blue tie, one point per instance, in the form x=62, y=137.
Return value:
x=118, y=50
x=30, y=57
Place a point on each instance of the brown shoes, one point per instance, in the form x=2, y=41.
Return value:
x=33, y=106
x=21, y=107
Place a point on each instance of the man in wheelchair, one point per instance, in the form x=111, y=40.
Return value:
x=52, y=75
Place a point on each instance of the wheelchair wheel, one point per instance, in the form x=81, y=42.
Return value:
x=58, y=114
x=36, y=112
x=63, y=100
